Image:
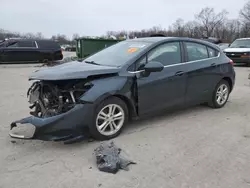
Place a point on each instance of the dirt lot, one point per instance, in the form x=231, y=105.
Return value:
x=198, y=147
x=68, y=54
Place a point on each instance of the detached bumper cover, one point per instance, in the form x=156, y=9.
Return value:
x=57, y=128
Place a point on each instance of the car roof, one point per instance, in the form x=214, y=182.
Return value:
x=158, y=39
x=243, y=39
x=165, y=39
x=27, y=39
x=150, y=39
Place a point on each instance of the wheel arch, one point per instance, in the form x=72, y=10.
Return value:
x=129, y=103
x=230, y=82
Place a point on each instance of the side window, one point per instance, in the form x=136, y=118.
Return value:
x=48, y=44
x=212, y=52
x=196, y=51
x=12, y=45
x=167, y=54
x=141, y=63
x=26, y=44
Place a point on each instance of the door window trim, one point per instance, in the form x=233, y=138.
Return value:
x=184, y=59
x=183, y=63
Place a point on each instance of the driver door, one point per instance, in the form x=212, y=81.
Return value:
x=165, y=89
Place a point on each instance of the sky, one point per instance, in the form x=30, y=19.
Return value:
x=96, y=17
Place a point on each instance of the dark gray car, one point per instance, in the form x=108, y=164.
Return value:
x=19, y=50
x=128, y=80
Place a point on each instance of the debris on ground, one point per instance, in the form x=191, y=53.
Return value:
x=108, y=158
x=13, y=141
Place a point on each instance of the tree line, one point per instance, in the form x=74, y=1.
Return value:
x=206, y=23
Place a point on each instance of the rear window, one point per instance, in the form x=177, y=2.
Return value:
x=48, y=44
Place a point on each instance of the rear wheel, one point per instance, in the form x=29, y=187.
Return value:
x=220, y=94
x=110, y=117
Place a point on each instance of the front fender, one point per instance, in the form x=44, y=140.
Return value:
x=108, y=86
x=118, y=85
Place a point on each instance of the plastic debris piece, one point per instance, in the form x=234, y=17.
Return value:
x=108, y=158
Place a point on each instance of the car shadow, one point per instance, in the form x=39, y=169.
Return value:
x=146, y=122
x=151, y=120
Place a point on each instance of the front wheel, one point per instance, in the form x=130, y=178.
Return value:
x=110, y=117
x=220, y=94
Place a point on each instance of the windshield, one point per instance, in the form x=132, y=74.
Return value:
x=243, y=43
x=117, y=54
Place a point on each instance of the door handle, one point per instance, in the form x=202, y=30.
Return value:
x=179, y=73
x=213, y=64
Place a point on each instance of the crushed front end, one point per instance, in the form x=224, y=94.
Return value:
x=58, y=113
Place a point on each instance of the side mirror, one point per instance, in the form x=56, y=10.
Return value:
x=153, y=66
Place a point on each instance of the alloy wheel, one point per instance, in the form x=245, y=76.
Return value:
x=222, y=94
x=110, y=119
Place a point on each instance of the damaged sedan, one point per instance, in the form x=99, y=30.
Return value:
x=127, y=80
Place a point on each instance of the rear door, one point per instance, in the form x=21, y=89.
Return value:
x=165, y=89
x=21, y=51
x=202, y=64
x=49, y=50
x=28, y=50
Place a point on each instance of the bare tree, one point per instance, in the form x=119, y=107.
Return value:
x=178, y=27
x=39, y=35
x=207, y=22
x=210, y=20
x=245, y=12
x=75, y=36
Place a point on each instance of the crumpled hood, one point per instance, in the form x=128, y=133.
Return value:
x=71, y=70
x=237, y=50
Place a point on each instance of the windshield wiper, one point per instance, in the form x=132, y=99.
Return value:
x=91, y=62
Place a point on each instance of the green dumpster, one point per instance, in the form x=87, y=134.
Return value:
x=88, y=46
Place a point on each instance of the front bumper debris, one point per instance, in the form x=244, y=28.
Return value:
x=66, y=126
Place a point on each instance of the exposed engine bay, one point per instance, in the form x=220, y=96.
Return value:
x=51, y=98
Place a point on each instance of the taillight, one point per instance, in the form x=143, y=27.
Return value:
x=231, y=62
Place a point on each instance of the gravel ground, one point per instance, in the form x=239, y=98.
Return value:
x=68, y=54
x=198, y=147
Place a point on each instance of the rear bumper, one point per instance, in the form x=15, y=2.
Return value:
x=61, y=127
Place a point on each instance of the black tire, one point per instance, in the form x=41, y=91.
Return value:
x=213, y=103
x=109, y=101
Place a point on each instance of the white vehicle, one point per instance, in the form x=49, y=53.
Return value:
x=223, y=46
x=239, y=51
